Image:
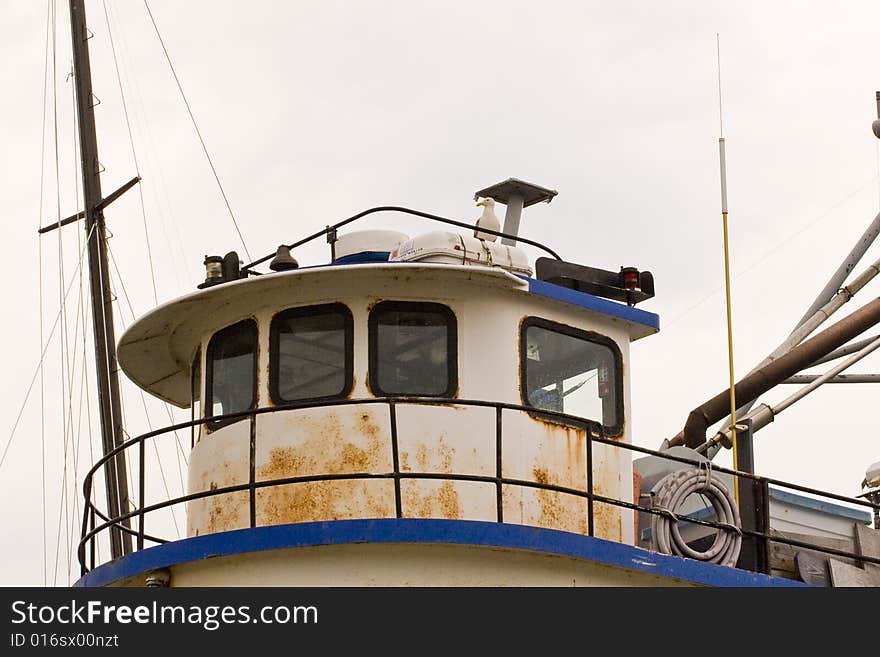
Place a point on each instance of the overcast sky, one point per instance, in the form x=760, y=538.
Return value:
x=314, y=111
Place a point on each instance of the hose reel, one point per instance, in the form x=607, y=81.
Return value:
x=670, y=493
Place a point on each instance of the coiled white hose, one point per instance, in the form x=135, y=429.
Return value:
x=670, y=493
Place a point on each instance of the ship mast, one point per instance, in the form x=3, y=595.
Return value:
x=115, y=473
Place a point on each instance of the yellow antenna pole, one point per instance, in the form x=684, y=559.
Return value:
x=726, y=265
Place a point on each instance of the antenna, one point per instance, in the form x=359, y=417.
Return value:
x=723, y=163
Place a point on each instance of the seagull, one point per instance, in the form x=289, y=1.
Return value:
x=487, y=220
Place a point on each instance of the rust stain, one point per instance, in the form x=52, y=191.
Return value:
x=558, y=510
x=367, y=427
x=606, y=522
x=427, y=457
x=513, y=504
x=329, y=448
x=223, y=513
x=438, y=502
x=324, y=500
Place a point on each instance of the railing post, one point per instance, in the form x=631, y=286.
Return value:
x=395, y=456
x=87, y=506
x=93, y=539
x=762, y=492
x=252, y=472
x=499, y=498
x=589, y=448
x=141, y=493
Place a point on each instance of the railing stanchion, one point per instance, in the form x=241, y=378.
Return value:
x=499, y=497
x=93, y=539
x=764, y=527
x=395, y=456
x=141, y=492
x=589, y=448
x=87, y=507
x=252, y=472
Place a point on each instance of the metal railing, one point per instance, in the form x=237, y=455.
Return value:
x=95, y=521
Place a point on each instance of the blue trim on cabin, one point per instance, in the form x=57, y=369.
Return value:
x=363, y=256
x=425, y=531
x=590, y=302
x=822, y=506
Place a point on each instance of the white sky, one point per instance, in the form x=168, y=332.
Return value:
x=314, y=111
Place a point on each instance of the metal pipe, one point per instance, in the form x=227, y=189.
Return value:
x=764, y=414
x=757, y=383
x=849, y=263
x=844, y=351
x=511, y=218
x=797, y=336
x=843, y=378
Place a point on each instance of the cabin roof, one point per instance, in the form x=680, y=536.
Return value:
x=156, y=352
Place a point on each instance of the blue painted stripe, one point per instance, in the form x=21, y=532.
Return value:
x=822, y=506
x=590, y=302
x=363, y=256
x=420, y=531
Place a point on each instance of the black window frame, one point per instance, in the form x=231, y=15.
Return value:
x=451, y=390
x=208, y=407
x=195, y=391
x=306, y=311
x=581, y=334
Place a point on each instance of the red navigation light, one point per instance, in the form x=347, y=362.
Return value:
x=629, y=278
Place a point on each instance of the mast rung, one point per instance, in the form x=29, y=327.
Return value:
x=103, y=204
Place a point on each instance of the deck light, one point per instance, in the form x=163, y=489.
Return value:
x=213, y=271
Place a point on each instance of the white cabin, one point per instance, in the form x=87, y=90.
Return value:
x=419, y=411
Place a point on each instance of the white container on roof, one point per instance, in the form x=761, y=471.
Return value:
x=453, y=249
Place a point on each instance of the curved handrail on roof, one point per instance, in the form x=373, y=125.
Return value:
x=396, y=208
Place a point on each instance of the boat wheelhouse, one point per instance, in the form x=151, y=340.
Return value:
x=430, y=393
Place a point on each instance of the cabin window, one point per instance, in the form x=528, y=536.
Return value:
x=413, y=349
x=231, y=367
x=571, y=371
x=311, y=353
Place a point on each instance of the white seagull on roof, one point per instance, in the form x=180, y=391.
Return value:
x=487, y=220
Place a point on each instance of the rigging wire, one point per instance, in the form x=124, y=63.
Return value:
x=198, y=132
x=80, y=315
x=133, y=153
x=40, y=295
x=64, y=352
x=136, y=113
x=37, y=368
x=773, y=249
x=143, y=398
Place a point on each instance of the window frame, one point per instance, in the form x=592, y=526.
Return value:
x=581, y=334
x=208, y=408
x=451, y=391
x=195, y=391
x=274, y=355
